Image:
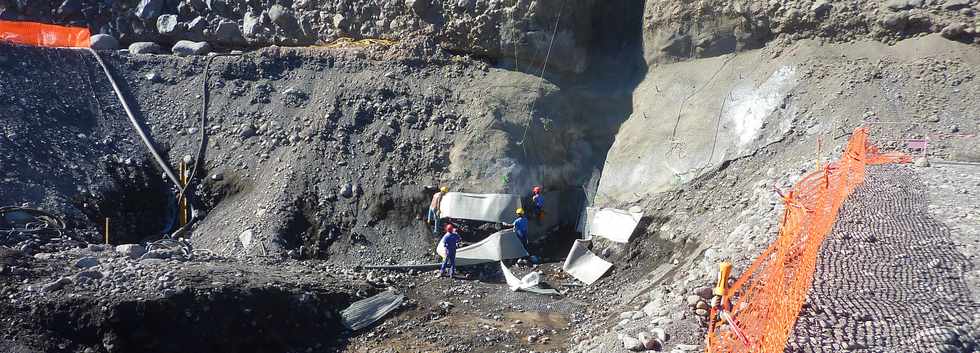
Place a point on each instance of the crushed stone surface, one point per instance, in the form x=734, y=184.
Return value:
x=890, y=277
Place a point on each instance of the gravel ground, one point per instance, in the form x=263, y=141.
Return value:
x=952, y=193
x=890, y=277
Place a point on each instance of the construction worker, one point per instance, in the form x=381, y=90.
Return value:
x=520, y=226
x=450, y=241
x=537, y=201
x=434, y=211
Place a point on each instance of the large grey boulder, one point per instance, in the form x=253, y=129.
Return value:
x=149, y=9
x=87, y=262
x=284, y=18
x=186, y=48
x=196, y=27
x=198, y=5
x=228, y=32
x=133, y=251
x=145, y=48
x=168, y=25
x=161, y=254
x=56, y=285
x=103, y=42
x=252, y=24
x=279, y=14
x=633, y=344
x=421, y=7
x=219, y=6
x=954, y=31
x=897, y=5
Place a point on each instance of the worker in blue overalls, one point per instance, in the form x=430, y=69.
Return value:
x=450, y=241
x=520, y=227
x=537, y=201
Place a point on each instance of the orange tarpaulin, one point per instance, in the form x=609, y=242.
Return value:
x=44, y=35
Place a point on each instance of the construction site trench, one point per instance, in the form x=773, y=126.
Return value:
x=666, y=136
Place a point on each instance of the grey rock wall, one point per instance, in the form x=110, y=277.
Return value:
x=492, y=29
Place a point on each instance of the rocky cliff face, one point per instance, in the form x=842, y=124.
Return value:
x=678, y=30
x=490, y=29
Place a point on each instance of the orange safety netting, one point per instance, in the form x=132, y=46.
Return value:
x=765, y=301
x=43, y=35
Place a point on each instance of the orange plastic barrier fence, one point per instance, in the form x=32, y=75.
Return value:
x=43, y=35
x=765, y=301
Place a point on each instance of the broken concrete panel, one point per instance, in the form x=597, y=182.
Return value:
x=613, y=224
x=582, y=264
x=365, y=312
x=529, y=283
x=498, y=246
x=480, y=207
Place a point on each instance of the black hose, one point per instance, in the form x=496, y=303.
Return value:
x=132, y=119
x=182, y=190
x=201, y=147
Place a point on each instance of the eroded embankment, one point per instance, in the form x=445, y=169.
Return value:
x=217, y=320
x=315, y=153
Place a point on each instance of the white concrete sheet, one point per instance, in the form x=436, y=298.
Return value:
x=479, y=207
x=613, y=224
x=498, y=246
x=582, y=264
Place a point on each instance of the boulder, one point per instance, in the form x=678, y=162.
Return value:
x=693, y=300
x=89, y=274
x=896, y=21
x=704, y=292
x=659, y=333
x=955, y=5
x=219, y=6
x=98, y=247
x=161, y=254
x=103, y=42
x=132, y=251
x=421, y=7
x=228, y=32
x=284, y=18
x=198, y=5
x=149, y=9
x=252, y=24
x=339, y=21
x=898, y=5
x=821, y=7
x=167, y=25
x=56, y=285
x=187, y=48
x=87, y=262
x=954, y=31
x=649, y=342
x=145, y=48
x=280, y=14
x=195, y=28
x=633, y=344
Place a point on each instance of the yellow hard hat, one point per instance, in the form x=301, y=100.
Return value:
x=444, y=189
x=520, y=211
